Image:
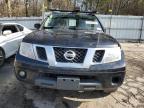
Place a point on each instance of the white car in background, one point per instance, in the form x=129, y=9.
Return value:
x=11, y=35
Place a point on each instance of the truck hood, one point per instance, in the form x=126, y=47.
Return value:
x=71, y=38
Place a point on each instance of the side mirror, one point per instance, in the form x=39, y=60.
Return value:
x=7, y=32
x=37, y=25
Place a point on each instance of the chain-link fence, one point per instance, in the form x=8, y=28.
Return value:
x=124, y=27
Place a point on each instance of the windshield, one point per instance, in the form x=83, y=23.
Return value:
x=75, y=23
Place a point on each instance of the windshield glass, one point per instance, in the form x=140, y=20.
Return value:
x=76, y=23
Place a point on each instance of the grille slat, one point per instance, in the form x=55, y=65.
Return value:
x=79, y=58
x=98, y=55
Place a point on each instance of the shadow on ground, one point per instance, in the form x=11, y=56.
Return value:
x=61, y=99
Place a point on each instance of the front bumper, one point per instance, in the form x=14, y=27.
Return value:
x=100, y=77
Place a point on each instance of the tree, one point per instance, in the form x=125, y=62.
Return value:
x=34, y=7
x=26, y=2
x=8, y=5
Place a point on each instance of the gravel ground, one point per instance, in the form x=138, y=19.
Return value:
x=130, y=95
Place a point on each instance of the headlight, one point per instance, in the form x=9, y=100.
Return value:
x=112, y=55
x=26, y=49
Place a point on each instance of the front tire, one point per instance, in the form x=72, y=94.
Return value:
x=2, y=57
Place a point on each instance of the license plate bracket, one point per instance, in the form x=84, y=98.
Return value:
x=65, y=83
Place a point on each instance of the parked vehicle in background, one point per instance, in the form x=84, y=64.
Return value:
x=70, y=51
x=11, y=35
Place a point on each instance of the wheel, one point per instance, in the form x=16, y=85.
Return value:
x=2, y=57
x=108, y=91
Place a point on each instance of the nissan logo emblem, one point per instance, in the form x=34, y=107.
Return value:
x=69, y=55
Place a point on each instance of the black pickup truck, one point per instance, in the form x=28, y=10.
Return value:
x=70, y=51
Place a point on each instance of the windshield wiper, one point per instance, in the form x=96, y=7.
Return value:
x=49, y=27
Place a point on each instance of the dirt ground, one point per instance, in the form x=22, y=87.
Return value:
x=130, y=95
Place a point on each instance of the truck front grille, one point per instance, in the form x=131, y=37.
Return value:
x=98, y=55
x=79, y=55
x=41, y=53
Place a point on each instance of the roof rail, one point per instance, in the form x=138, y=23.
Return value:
x=74, y=11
